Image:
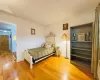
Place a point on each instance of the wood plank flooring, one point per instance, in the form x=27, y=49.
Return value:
x=52, y=68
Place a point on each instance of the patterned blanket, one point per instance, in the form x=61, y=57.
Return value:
x=37, y=53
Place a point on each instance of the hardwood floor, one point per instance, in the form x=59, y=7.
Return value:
x=53, y=68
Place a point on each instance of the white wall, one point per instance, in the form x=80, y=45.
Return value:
x=57, y=28
x=24, y=38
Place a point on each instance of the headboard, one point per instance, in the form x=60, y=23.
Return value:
x=50, y=39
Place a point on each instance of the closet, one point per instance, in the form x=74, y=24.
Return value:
x=81, y=45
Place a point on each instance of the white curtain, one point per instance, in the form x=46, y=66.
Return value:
x=96, y=43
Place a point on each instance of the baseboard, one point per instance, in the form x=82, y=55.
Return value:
x=66, y=58
x=19, y=60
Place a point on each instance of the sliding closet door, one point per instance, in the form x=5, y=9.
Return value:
x=4, y=42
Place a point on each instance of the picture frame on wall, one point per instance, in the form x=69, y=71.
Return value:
x=81, y=36
x=32, y=31
x=65, y=26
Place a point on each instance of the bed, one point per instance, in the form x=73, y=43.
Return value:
x=35, y=55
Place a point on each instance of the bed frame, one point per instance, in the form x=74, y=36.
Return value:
x=49, y=39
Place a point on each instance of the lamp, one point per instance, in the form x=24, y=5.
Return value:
x=14, y=38
x=64, y=37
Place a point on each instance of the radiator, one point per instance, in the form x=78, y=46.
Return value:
x=99, y=70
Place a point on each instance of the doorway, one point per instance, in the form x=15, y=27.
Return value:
x=4, y=42
x=8, y=37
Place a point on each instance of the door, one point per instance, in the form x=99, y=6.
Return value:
x=4, y=42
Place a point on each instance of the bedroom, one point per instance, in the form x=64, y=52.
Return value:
x=46, y=16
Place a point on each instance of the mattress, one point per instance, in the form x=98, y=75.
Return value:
x=37, y=53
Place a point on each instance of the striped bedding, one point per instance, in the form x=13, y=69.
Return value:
x=37, y=53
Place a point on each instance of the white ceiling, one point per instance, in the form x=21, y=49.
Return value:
x=49, y=11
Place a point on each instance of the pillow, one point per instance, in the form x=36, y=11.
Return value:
x=43, y=45
x=52, y=45
x=48, y=46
